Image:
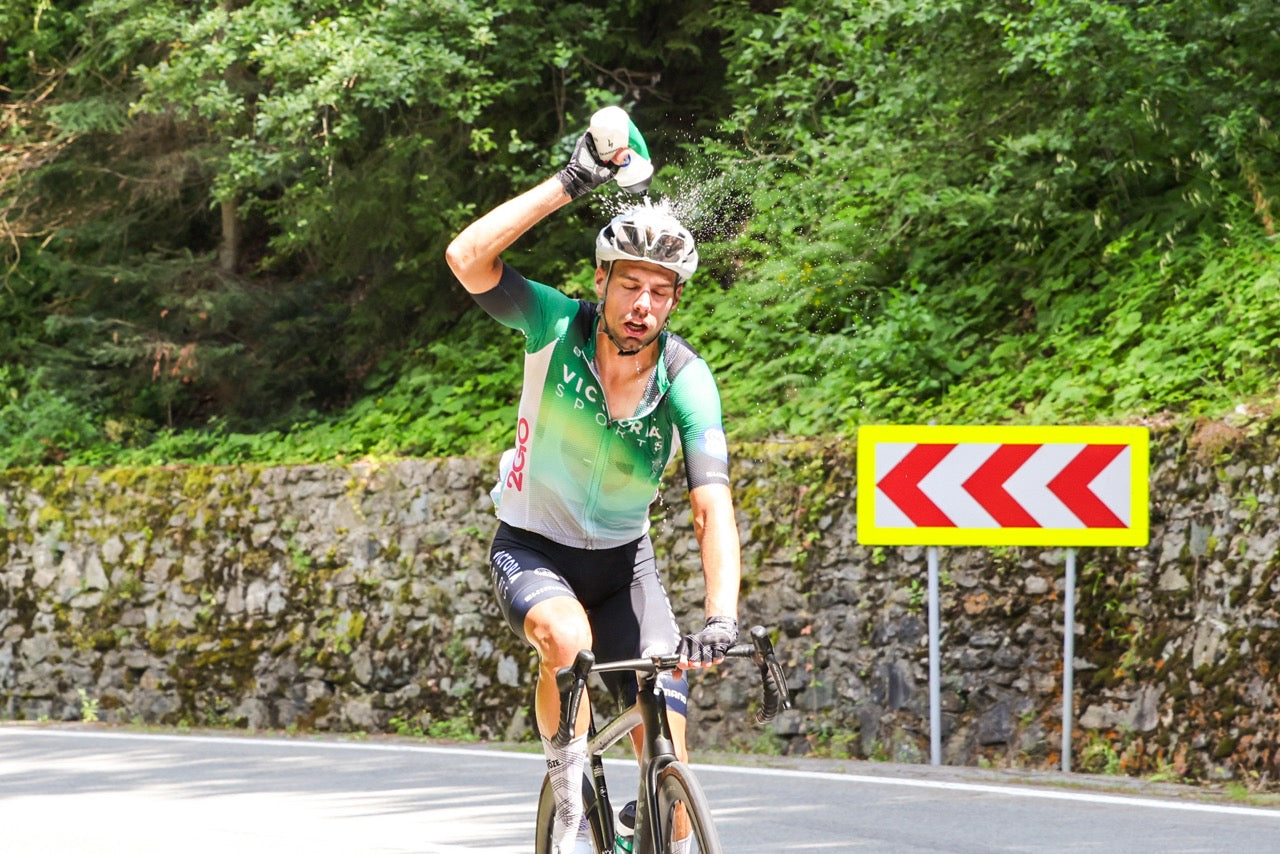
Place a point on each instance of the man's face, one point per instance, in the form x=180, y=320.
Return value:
x=637, y=302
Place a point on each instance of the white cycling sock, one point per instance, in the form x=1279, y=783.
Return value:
x=564, y=765
x=682, y=846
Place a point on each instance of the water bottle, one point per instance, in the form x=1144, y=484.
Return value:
x=618, y=140
x=625, y=840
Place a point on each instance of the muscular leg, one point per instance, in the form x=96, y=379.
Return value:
x=558, y=629
x=679, y=723
x=541, y=588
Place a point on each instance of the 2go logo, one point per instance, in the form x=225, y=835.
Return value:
x=515, y=477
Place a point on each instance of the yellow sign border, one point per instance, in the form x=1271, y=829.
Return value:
x=1137, y=534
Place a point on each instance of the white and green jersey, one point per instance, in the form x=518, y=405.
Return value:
x=576, y=475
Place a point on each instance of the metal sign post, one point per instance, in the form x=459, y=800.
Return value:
x=935, y=661
x=1002, y=486
x=1068, y=655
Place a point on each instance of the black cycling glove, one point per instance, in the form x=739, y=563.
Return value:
x=585, y=171
x=709, y=645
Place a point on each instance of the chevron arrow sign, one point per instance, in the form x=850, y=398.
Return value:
x=1003, y=486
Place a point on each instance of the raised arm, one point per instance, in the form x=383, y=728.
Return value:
x=474, y=255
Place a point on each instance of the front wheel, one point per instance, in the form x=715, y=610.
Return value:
x=683, y=813
x=546, y=819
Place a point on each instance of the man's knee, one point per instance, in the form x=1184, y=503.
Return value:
x=558, y=629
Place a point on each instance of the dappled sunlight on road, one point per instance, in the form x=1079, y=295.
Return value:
x=135, y=793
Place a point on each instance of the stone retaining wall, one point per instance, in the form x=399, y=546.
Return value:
x=357, y=598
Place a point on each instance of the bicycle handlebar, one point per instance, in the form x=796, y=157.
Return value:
x=773, y=681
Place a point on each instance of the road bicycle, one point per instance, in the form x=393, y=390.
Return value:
x=670, y=804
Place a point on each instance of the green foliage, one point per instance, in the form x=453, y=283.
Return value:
x=1099, y=756
x=38, y=424
x=910, y=210
x=460, y=728
x=349, y=142
x=33, y=32
x=290, y=89
x=88, y=707
x=971, y=215
x=426, y=409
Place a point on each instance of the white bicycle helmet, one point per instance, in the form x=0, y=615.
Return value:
x=648, y=234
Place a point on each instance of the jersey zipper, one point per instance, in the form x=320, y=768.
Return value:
x=606, y=441
x=601, y=461
x=593, y=491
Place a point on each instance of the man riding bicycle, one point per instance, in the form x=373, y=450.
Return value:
x=607, y=395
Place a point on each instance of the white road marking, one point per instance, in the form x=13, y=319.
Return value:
x=1019, y=791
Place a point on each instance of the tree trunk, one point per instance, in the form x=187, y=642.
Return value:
x=229, y=250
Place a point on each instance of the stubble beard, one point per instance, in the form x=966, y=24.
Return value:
x=628, y=346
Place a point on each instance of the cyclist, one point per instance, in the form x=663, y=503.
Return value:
x=607, y=394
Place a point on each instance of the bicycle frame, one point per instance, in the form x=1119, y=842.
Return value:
x=657, y=751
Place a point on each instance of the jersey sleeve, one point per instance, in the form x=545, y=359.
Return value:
x=528, y=306
x=696, y=410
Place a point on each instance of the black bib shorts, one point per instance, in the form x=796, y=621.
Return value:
x=619, y=588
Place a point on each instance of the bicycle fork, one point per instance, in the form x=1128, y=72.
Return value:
x=658, y=752
x=602, y=793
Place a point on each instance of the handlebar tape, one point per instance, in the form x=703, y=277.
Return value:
x=773, y=681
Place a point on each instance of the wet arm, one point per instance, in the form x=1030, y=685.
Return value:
x=474, y=254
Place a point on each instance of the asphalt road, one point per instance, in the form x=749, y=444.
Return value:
x=105, y=790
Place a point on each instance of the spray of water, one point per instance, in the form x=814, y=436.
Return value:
x=719, y=207
x=712, y=204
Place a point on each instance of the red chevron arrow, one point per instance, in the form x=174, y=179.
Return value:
x=1071, y=485
x=902, y=486
x=986, y=485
